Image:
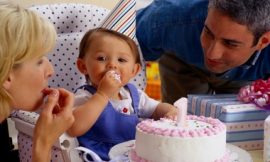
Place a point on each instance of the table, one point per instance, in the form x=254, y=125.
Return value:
x=257, y=155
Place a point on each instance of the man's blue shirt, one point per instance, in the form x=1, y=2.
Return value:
x=175, y=26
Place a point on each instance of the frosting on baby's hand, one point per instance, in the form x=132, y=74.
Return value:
x=115, y=75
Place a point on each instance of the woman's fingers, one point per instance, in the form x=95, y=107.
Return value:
x=58, y=100
x=51, y=101
x=66, y=98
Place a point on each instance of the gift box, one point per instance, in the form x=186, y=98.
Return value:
x=266, y=151
x=244, y=121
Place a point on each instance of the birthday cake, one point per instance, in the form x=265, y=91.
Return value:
x=202, y=139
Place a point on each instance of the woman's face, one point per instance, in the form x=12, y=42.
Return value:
x=27, y=83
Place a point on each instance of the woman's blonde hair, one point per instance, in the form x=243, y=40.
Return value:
x=23, y=35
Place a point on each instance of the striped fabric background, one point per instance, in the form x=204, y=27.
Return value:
x=122, y=18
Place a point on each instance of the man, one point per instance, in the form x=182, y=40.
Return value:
x=206, y=46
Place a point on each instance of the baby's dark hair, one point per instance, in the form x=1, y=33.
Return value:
x=91, y=35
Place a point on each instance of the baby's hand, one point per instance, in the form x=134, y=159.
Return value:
x=172, y=114
x=110, y=83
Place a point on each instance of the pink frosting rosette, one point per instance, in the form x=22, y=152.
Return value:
x=258, y=92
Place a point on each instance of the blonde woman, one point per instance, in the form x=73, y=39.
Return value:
x=24, y=72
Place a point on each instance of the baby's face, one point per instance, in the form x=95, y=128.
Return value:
x=108, y=53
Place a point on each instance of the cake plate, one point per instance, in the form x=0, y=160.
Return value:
x=120, y=152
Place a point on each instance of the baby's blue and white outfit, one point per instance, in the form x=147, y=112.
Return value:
x=117, y=123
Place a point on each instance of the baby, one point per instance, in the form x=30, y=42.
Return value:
x=108, y=108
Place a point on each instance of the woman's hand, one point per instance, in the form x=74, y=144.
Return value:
x=56, y=117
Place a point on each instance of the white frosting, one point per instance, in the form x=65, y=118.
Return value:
x=163, y=148
x=115, y=75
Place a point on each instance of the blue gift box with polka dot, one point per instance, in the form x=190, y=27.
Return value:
x=244, y=122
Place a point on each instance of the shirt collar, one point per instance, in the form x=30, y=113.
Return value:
x=252, y=60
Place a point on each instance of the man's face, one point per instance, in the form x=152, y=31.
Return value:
x=226, y=44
